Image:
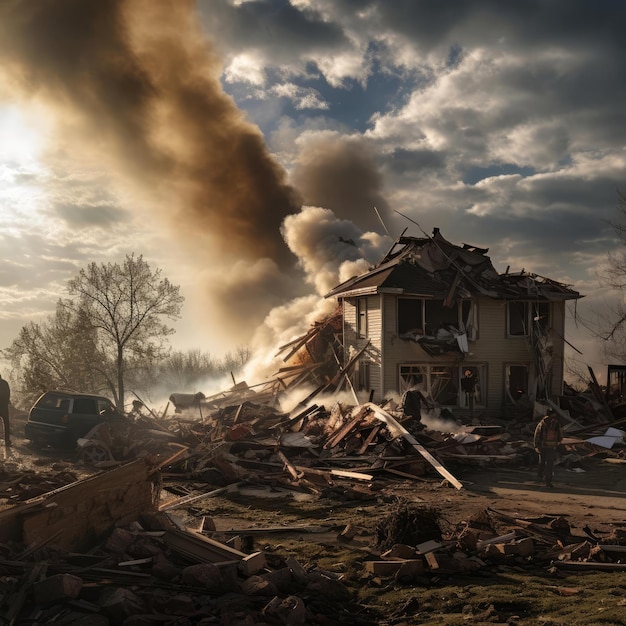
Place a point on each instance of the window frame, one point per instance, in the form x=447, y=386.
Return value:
x=464, y=323
x=363, y=377
x=428, y=371
x=420, y=322
x=532, y=311
x=509, y=395
x=361, y=313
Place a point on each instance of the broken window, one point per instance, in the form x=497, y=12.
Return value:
x=437, y=316
x=417, y=316
x=516, y=380
x=410, y=316
x=541, y=315
x=361, y=317
x=363, y=376
x=517, y=319
x=473, y=386
x=469, y=319
x=439, y=382
x=524, y=316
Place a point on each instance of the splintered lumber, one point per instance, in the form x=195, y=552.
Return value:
x=175, y=457
x=289, y=466
x=83, y=510
x=333, y=384
x=369, y=439
x=195, y=497
x=501, y=539
x=397, y=429
x=343, y=431
x=355, y=475
x=201, y=549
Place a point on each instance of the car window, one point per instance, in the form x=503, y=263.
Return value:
x=53, y=401
x=85, y=406
x=105, y=405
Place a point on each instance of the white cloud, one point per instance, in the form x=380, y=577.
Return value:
x=246, y=68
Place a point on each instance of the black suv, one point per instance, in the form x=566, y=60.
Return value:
x=59, y=418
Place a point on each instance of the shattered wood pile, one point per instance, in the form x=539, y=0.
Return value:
x=308, y=449
x=354, y=447
x=415, y=549
x=146, y=567
x=139, y=563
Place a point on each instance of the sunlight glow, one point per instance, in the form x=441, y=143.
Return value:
x=21, y=136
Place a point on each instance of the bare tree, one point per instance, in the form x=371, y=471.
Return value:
x=125, y=306
x=614, y=276
x=60, y=352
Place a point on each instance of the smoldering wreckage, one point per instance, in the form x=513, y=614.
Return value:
x=112, y=548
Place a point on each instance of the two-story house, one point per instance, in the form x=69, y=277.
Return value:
x=440, y=315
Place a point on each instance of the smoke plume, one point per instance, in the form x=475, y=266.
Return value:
x=134, y=84
x=340, y=174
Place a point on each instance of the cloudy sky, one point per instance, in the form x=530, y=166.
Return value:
x=239, y=144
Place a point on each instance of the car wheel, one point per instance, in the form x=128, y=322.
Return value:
x=37, y=446
x=94, y=452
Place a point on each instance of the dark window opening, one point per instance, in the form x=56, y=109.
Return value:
x=361, y=317
x=437, y=316
x=518, y=319
x=444, y=385
x=85, y=406
x=517, y=382
x=363, y=380
x=410, y=315
x=541, y=315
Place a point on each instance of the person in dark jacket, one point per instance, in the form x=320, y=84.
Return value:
x=5, y=397
x=548, y=435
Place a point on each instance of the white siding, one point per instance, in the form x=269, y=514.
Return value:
x=493, y=348
x=353, y=344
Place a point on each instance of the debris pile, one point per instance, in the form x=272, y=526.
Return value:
x=149, y=570
x=416, y=550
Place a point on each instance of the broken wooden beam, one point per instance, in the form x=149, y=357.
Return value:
x=399, y=430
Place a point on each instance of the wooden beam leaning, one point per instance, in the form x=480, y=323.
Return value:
x=399, y=430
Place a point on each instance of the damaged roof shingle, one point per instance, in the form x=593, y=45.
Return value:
x=429, y=266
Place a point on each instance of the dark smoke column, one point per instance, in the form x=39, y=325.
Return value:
x=136, y=82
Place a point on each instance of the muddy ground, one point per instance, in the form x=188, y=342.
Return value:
x=513, y=593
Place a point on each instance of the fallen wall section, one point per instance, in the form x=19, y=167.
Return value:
x=76, y=515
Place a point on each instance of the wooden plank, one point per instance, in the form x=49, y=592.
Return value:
x=289, y=466
x=369, y=439
x=390, y=568
x=355, y=475
x=175, y=457
x=199, y=548
x=195, y=497
x=342, y=432
x=399, y=430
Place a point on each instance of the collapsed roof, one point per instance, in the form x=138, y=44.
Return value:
x=433, y=267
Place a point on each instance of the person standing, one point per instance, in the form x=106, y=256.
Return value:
x=5, y=397
x=548, y=435
x=468, y=385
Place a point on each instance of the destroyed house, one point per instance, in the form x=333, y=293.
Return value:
x=439, y=316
